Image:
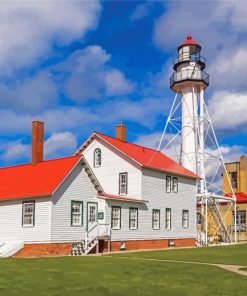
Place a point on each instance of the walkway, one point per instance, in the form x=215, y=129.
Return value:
x=232, y=268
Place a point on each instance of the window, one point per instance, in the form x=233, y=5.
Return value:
x=76, y=213
x=168, y=183
x=116, y=218
x=199, y=218
x=28, y=209
x=185, y=218
x=133, y=218
x=92, y=210
x=97, y=158
x=123, y=183
x=156, y=219
x=168, y=218
x=234, y=179
x=240, y=220
x=175, y=184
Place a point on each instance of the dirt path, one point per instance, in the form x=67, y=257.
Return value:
x=232, y=268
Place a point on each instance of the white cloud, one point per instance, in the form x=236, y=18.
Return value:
x=37, y=93
x=13, y=123
x=216, y=25
x=144, y=112
x=116, y=83
x=57, y=145
x=16, y=150
x=153, y=140
x=141, y=11
x=91, y=77
x=29, y=28
x=60, y=144
x=228, y=110
x=188, y=17
x=32, y=94
x=150, y=140
x=56, y=120
x=235, y=11
x=229, y=69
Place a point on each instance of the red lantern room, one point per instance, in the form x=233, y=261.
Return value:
x=189, y=65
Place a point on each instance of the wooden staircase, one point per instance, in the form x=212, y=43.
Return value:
x=221, y=227
x=93, y=236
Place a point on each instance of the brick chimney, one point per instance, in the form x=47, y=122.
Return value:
x=121, y=132
x=37, y=141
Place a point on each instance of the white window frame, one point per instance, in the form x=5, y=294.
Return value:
x=240, y=220
x=25, y=215
x=168, y=218
x=175, y=184
x=185, y=218
x=116, y=217
x=123, y=183
x=133, y=218
x=97, y=158
x=168, y=184
x=156, y=219
x=77, y=216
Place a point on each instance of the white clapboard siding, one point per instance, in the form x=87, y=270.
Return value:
x=113, y=163
x=154, y=191
x=11, y=221
x=76, y=187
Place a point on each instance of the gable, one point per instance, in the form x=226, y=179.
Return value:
x=113, y=163
x=142, y=156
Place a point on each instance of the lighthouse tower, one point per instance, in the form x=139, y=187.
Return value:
x=189, y=79
x=189, y=138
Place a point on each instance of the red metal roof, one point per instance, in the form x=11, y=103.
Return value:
x=28, y=180
x=189, y=41
x=240, y=196
x=149, y=158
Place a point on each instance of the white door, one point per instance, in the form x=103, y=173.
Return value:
x=91, y=215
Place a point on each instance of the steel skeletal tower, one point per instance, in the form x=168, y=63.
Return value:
x=189, y=137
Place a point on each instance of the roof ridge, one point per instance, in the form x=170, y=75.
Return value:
x=48, y=160
x=132, y=143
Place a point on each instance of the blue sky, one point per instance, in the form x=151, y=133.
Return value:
x=84, y=66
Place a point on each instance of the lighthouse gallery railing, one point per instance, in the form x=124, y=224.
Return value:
x=189, y=75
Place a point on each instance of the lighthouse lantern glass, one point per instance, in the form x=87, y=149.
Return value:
x=189, y=53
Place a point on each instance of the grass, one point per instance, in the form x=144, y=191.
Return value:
x=234, y=254
x=106, y=276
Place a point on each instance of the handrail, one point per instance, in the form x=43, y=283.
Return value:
x=96, y=224
x=188, y=58
x=189, y=74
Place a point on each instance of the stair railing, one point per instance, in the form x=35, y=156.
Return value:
x=91, y=235
x=217, y=216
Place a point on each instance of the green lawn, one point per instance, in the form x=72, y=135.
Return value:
x=235, y=254
x=98, y=276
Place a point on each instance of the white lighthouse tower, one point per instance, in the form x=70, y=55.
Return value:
x=188, y=80
x=189, y=123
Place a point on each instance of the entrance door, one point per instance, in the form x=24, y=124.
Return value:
x=91, y=215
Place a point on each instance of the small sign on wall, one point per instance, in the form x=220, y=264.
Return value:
x=100, y=215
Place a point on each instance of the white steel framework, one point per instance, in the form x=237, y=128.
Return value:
x=206, y=161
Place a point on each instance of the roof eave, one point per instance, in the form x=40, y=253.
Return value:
x=118, y=198
x=170, y=172
x=26, y=197
x=79, y=159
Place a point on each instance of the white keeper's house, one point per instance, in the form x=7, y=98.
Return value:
x=111, y=195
